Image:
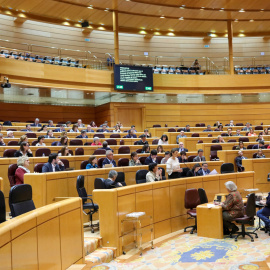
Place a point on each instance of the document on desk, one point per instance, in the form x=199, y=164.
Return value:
x=213, y=172
x=210, y=205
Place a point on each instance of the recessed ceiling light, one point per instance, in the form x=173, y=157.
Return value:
x=181, y=18
x=241, y=10
x=251, y=20
x=90, y=7
x=162, y=17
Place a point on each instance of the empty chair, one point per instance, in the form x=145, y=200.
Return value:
x=141, y=176
x=155, y=141
x=99, y=152
x=154, y=126
x=139, y=151
x=99, y=183
x=122, y=142
x=234, y=147
x=123, y=162
x=239, y=124
x=2, y=208
x=258, y=128
x=243, y=139
x=84, y=164
x=124, y=150
x=209, y=135
x=192, y=200
x=171, y=130
x=142, y=160
x=213, y=151
x=43, y=152
x=215, y=141
x=250, y=146
x=227, y=168
x=120, y=177
x=200, y=141
x=11, y=129
x=99, y=163
x=90, y=207
x=111, y=142
x=20, y=200
x=100, y=135
x=65, y=162
x=7, y=123
x=232, y=140
x=198, y=125
x=79, y=151
x=10, y=143
x=11, y=174
x=34, y=143
x=195, y=135
x=9, y=153
x=159, y=158
x=38, y=167
x=202, y=195
x=190, y=158
x=202, y=124
x=31, y=135
x=115, y=136
x=76, y=142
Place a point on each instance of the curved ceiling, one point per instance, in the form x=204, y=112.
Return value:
x=154, y=17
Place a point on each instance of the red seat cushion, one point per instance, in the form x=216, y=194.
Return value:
x=245, y=218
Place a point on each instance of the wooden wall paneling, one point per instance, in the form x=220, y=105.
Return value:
x=211, y=186
x=5, y=257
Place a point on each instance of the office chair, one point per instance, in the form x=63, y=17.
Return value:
x=141, y=176
x=2, y=207
x=227, y=168
x=99, y=183
x=202, y=195
x=91, y=207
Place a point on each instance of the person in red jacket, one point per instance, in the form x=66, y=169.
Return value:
x=23, y=165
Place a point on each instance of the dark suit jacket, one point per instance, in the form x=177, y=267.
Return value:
x=238, y=161
x=191, y=173
x=142, y=143
x=182, y=149
x=80, y=136
x=207, y=130
x=131, y=136
x=198, y=159
x=58, y=130
x=19, y=154
x=47, y=167
x=186, y=130
x=256, y=146
x=111, y=184
x=106, y=161
x=266, y=209
x=101, y=130
x=200, y=172
x=148, y=160
x=33, y=125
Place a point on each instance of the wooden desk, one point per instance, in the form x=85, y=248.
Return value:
x=209, y=221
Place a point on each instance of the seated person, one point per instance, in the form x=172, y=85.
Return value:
x=74, y=129
x=229, y=132
x=93, y=124
x=145, y=149
x=68, y=124
x=182, y=148
x=231, y=123
x=10, y=134
x=50, y=124
x=89, y=129
x=49, y=134
x=233, y=207
x=260, y=154
x=143, y=140
x=133, y=129
x=104, y=129
x=238, y=133
x=260, y=145
x=240, y=146
x=36, y=123
x=54, y=164
x=117, y=129
x=146, y=133
x=220, y=139
x=163, y=140
x=83, y=135
x=96, y=142
x=134, y=161
x=204, y=169
x=264, y=213
x=219, y=128
x=60, y=129
x=63, y=141
x=166, y=157
x=41, y=140
x=23, y=139
x=131, y=134
x=105, y=146
x=154, y=174
x=260, y=138
x=23, y=165
x=265, y=131
x=194, y=171
x=251, y=132
x=109, y=159
x=152, y=158
x=110, y=182
x=238, y=161
x=79, y=123
x=160, y=149
x=64, y=151
x=27, y=128
x=173, y=165
x=24, y=150
x=2, y=143
x=92, y=163
x=208, y=129
x=183, y=157
x=105, y=124
x=200, y=156
x=187, y=129
x=43, y=129
x=181, y=135
x=247, y=127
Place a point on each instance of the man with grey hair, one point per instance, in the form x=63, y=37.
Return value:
x=111, y=181
x=200, y=156
x=36, y=124
x=109, y=159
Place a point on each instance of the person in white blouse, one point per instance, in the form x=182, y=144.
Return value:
x=173, y=165
x=154, y=174
x=41, y=140
x=163, y=140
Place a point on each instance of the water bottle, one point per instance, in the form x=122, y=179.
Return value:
x=43, y=155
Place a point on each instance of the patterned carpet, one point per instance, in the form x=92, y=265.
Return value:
x=190, y=252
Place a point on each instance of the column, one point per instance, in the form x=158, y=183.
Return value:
x=115, y=31
x=230, y=42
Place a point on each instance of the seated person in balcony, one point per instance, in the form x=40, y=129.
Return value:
x=196, y=64
x=110, y=181
x=117, y=129
x=92, y=163
x=238, y=161
x=49, y=135
x=247, y=127
x=79, y=123
x=260, y=154
x=145, y=149
x=238, y=133
x=160, y=149
x=68, y=124
x=200, y=156
x=41, y=140
x=166, y=157
x=64, y=151
x=204, y=169
x=240, y=146
x=93, y=124
x=105, y=146
x=181, y=135
x=251, y=132
x=89, y=129
x=104, y=129
x=24, y=150
x=264, y=213
x=208, y=129
x=260, y=138
x=27, y=128
x=54, y=164
x=60, y=129
x=152, y=158
x=74, y=129
x=143, y=140
x=182, y=148
x=220, y=139
x=83, y=135
x=187, y=128
x=10, y=134
x=96, y=142
x=231, y=123
x=163, y=140
x=194, y=171
x=131, y=134
x=134, y=161
x=109, y=159
x=260, y=145
x=154, y=174
x=173, y=165
x=146, y=133
x=133, y=129
x=23, y=139
x=63, y=141
x=183, y=157
x=23, y=165
x=2, y=143
x=36, y=124
x=50, y=124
